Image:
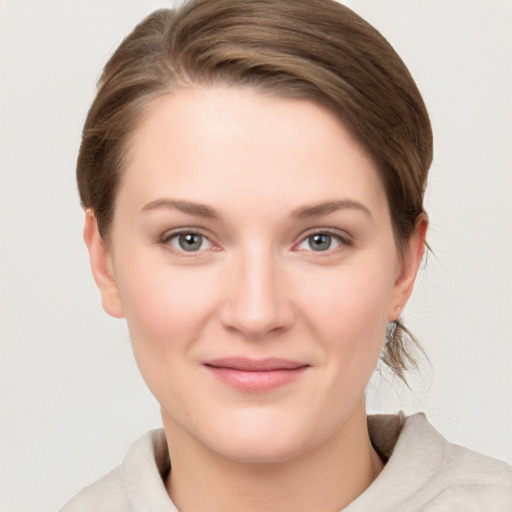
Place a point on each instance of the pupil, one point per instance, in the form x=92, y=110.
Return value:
x=320, y=242
x=190, y=242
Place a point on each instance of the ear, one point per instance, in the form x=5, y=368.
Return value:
x=409, y=265
x=101, y=266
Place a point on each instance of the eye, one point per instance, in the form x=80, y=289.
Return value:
x=188, y=242
x=320, y=242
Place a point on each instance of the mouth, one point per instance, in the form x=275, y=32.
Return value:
x=255, y=375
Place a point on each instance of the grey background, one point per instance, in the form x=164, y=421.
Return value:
x=71, y=397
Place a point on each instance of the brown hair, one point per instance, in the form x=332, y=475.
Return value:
x=316, y=50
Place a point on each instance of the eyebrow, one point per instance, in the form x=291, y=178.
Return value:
x=324, y=208
x=198, y=209
x=315, y=210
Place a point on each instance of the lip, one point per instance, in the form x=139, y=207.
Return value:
x=255, y=375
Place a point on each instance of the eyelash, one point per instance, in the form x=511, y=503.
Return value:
x=343, y=240
x=165, y=240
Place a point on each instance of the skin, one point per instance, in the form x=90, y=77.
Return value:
x=255, y=177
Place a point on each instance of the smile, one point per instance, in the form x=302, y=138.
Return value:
x=255, y=376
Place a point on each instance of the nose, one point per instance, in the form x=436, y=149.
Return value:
x=256, y=304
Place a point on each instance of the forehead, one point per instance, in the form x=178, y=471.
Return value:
x=229, y=144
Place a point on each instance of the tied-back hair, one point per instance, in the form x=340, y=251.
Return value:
x=316, y=50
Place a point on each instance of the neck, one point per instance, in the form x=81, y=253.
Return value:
x=326, y=478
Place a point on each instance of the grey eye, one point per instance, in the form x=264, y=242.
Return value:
x=320, y=242
x=190, y=242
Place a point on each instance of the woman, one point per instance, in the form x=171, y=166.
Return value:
x=253, y=174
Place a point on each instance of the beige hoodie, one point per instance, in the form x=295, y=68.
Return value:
x=423, y=473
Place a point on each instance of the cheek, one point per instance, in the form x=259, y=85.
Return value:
x=348, y=313
x=165, y=308
x=166, y=311
x=355, y=303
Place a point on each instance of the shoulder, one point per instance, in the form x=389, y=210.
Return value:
x=107, y=494
x=425, y=472
x=139, y=480
x=458, y=466
x=472, y=480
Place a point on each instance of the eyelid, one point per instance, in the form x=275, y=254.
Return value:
x=165, y=239
x=342, y=236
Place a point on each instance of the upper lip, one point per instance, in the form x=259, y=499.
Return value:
x=255, y=365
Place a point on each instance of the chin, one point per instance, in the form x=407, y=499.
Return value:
x=261, y=438
x=257, y=450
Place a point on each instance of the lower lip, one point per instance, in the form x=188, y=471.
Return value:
x=256, y=381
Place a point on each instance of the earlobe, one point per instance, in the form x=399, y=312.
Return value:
x=411, y=260
x=100, y=261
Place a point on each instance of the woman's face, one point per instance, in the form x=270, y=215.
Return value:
x=252, y=254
